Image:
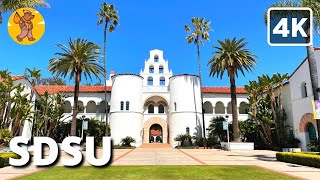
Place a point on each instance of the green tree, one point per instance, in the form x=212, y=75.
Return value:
x=197, y=35
x=234, y=57
x=21, y=110
x=108, y=16
x=6, y=87
x=51, y=81
x=257, y=105
x=312, y=61
x=216, y=128
x=48, y=114
x=11, y=5
x=80, y=58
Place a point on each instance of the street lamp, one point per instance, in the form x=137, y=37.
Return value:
x=227, y=127
x=84, y=124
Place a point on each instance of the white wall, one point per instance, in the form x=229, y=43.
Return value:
x=301, y=105
x=126, y=122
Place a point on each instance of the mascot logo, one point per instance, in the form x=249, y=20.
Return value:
x=26, y=26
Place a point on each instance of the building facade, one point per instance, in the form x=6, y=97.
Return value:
x=155, y=106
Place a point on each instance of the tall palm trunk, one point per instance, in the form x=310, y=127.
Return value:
x=75, y=104
x=105, y=78
x=235, y=123
x=201, y=96
x=274, y=114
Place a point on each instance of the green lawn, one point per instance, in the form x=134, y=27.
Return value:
x=158, y=172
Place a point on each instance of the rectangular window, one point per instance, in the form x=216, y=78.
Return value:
x=161, y=70
x=121, y=105
x=175, y=106
x=127, y=105
x=162, y=82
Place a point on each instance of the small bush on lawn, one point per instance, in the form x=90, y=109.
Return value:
x=126, y=142
x=306, y=159
x=4, y=158
x=122, y=147
x=5, y=136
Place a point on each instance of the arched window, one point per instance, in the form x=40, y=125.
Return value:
x=156, y=58
x=91, y=107
x=80, y=107
x=162, y=81
x=102, y=107
x=161, y=109
x=160, y=69
x=150, y=81
x=219, y=108
x=67, y=107
x=304, y=92
x=243, y=108
x=207, y=107
x=229, y=108
x=150, y=108
x=127, y=105
x=121, y=105
x=151, y=69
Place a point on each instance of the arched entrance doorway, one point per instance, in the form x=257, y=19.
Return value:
x=308, y=126
x=153, y=128
x=311, y=132
x=155, y=134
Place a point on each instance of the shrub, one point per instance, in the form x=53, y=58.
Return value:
x=5, y=136
x=127, y=141
x=198, y=140
x=4, y=158
x=184, y=139
x=306, y=159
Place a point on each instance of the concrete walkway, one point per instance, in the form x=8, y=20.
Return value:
x=165, y=155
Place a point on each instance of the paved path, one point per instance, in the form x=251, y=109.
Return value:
x=264, y=159
x=165, y=155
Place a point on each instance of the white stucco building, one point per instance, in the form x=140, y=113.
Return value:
x=297, y=100
x=154, y=106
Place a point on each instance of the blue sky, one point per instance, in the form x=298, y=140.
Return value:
x=147, y=25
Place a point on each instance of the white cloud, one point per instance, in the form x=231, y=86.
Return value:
x=42, y=22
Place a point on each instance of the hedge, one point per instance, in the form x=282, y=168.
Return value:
x=302, y=158
x=4, y=158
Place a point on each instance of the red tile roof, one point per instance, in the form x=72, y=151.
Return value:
x=15, y=78
x=222, y=90
x=83, y=89
x=99, y=89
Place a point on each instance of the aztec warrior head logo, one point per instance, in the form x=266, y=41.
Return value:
x=26, y=26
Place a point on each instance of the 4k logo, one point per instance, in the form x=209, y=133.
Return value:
x=290, y=26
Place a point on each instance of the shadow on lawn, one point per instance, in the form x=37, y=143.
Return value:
x=259, y=157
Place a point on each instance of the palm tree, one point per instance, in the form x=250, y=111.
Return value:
x=10, y=5
x=198, y=35
x=109, y=17
x=33, y=75
x=80, y=58
x=269, y=84
x=255, y=91
x=280, y=79
x=233, y=57
x=312, y=61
